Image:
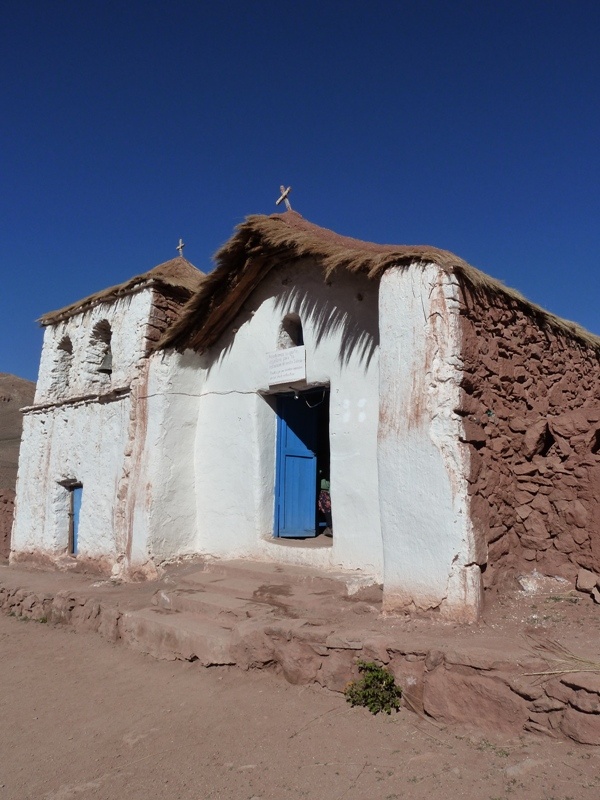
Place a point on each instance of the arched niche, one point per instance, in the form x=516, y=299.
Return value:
x=290, y=332
x=100, y=349
x=61, y=368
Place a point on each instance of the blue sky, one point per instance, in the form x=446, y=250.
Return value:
x=472, y=126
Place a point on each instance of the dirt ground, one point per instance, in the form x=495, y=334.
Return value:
x=82, y=718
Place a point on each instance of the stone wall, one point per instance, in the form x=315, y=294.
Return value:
x=429, y=553
x=7, y=505
x=531, y=413
x=234, y=440
x=89, y=428
x=69, y=374
x=165, y=310
x=492, y=687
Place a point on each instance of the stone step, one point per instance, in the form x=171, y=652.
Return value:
x=265, y=568
x=282, y=598
x=254, y=575
x=274, y=598
x=209, y=604
x=240, y=586
x=175, y=635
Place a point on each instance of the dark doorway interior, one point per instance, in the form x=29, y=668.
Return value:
x=303, y=462
x=75, y=496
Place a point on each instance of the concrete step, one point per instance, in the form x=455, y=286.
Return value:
x=209, y=604
x=171, y=635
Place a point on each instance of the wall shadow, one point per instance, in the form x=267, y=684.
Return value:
x=349, y=310
x=359, y=328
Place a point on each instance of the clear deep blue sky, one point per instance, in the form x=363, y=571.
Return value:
x=472, y=126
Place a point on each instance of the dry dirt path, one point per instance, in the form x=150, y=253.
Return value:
x=81, y=718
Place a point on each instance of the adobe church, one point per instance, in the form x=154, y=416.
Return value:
x=451, y=426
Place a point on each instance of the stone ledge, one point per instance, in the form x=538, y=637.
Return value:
x=451, y=684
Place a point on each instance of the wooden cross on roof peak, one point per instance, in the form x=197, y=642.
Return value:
x=284, y=197
x=180, y=247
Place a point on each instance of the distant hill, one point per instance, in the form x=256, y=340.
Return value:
x=14, y=394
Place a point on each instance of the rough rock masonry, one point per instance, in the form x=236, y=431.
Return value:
x=532, y=422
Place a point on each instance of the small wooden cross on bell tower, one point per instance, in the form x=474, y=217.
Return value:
x=180, y=247
x=284, y=197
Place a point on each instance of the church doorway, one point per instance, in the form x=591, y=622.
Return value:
x=75, y=497
x=302, y=468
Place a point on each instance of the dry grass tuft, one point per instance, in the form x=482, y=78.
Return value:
x=559, y=658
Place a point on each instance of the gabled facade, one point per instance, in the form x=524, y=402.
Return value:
x=73, y=489
x=396, y=397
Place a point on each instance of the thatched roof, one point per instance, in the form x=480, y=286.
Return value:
x=177, y=276
x=262, y=242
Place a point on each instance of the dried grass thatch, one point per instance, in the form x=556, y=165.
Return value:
x=177, y=275
x=262, y=242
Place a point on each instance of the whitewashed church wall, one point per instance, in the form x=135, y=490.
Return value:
x=83, y=443
x=235, y=441
x=63, y=376
x=429, y=550
x=165, y=518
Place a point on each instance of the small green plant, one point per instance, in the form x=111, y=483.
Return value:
x=485, y=744
x=376, y=690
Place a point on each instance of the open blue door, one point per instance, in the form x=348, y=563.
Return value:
x=76, y=493
x=296, y=477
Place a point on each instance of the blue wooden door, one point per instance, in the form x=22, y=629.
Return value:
x=77, y=492
x=296, y=477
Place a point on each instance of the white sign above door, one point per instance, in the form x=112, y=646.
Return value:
x=287, y=366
